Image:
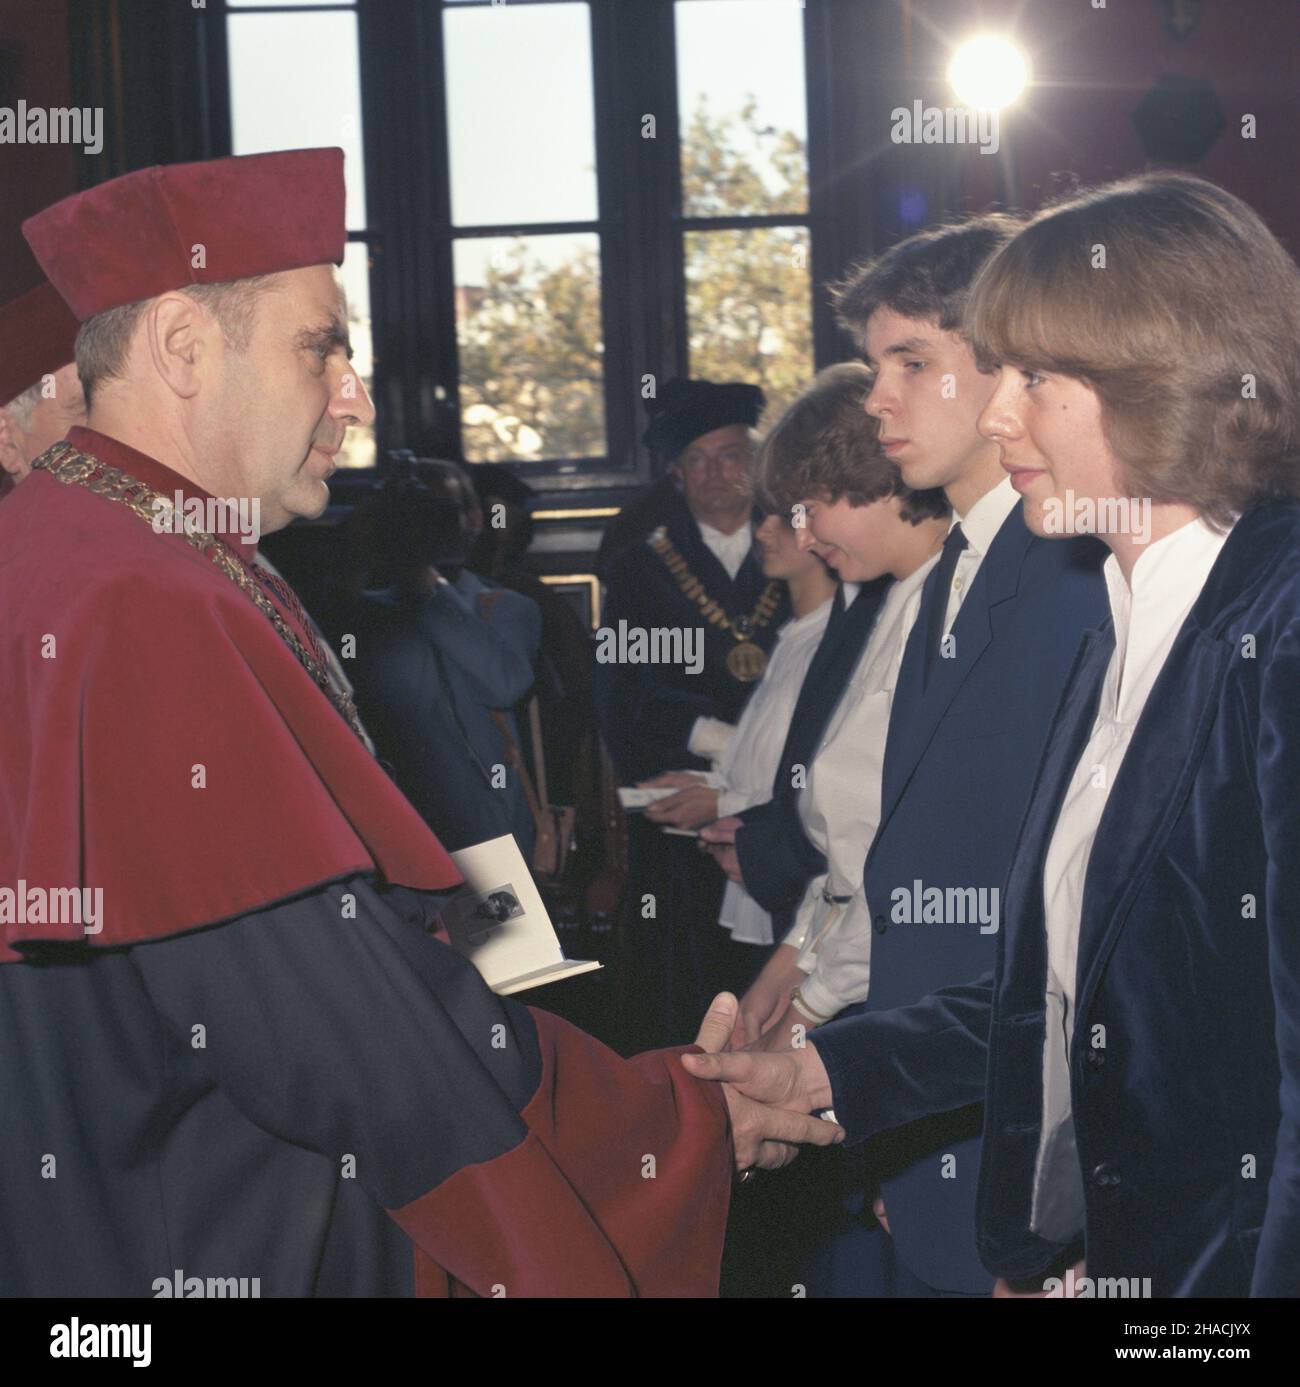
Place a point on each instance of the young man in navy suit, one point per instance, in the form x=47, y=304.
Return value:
x=1001, y=616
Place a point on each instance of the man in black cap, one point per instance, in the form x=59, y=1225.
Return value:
x=688, y=622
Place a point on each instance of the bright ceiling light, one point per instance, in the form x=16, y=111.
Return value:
x=988, y=72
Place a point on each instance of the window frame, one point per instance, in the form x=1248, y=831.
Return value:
x=640, y=221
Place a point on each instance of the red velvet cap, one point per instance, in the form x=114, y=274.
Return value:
x=37, y=335
x=135, y=237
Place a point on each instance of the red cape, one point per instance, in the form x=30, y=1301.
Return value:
x=621, y=1187
x=127, y=661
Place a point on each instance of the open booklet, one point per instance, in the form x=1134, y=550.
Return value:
x=498, y=922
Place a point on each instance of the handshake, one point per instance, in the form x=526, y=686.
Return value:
x=769, y=1094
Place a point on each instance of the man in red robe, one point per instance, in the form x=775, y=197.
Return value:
x=231, y=1047
x=40, y=395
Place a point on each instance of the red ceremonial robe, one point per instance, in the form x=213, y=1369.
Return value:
x=162, y=744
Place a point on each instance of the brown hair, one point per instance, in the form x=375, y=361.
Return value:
x=104, y=340
x=1171, y=299
x=826, y=445
x=928, y=276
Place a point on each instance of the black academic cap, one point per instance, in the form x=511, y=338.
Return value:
x=491, y=479
x=687, y=409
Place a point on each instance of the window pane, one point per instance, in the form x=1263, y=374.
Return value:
x=295, y=84
x=742, y=107
x=519, y=114
x=531, y=354
x=359, y=446
x=749, y=309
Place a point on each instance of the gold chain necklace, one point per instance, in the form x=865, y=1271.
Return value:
x=65, y=464
x=745, y=660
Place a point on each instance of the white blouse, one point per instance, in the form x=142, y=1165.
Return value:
x=748, y=766
x=1167, y=580
x=840, y=811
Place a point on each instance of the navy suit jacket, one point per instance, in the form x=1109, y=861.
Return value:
x=959, y=763
x=776, y=858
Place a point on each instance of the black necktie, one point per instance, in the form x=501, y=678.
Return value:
x=937, y=607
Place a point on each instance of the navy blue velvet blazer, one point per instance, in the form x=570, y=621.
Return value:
x=1186, y=1054
x=1185, y=1066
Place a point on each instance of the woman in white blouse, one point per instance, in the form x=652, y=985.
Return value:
x=854, y=511
x=1144, y=1057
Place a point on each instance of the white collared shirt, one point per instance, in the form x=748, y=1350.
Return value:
x=834, y=939
x=980, y=526
x=1167, y=579
x=729, y=550
x=840, y=811
x=748, y=766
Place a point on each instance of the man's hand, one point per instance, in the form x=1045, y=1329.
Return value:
x=794, y=1079
x=726, y=858
x=878, y=1208
x=718, y=1024
x=1002, y=1289
x=767, y=1120
x=675, y=780
x=768, y=996
x=791, y=1026
x=723, y=830
x=688, y=808
x=718, y=839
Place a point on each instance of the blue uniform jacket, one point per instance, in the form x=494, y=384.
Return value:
x=959, y=763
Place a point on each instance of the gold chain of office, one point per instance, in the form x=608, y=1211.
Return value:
x=746, y=661
x=65, y=464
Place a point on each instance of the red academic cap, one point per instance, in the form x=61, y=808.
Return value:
x=140, y=235
x=37, y=335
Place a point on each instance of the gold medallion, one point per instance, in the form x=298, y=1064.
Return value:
x=746, y=662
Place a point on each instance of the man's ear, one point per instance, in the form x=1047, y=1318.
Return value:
x=182, y=339
x=12, y=458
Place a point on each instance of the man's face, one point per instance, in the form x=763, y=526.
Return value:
x=856, y=541
x=61, y=406
x=1049, y=433
x=464, y=495
x=284, y=404
x=927, y=396
x=715, y=473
